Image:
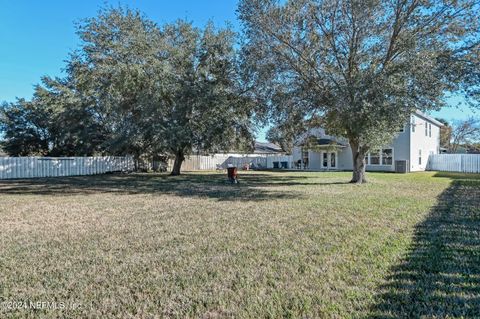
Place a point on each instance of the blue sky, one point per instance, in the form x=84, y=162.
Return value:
x=36, y=36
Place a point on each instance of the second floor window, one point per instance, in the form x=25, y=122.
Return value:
x=429, y=130
x=413, y=124
x=426, y=129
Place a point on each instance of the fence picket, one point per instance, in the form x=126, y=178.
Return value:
x=213, y=162
x=35, y=167
x=466, y=163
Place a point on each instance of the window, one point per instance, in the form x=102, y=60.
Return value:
x=387, y=156
x=413, y=124
x=429, y=130
x=375, y=158
x=325, y=160
x=426, y=129
x=419, y=157
x=332, y=160
x=382, y=157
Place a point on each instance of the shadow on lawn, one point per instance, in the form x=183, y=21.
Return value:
x=440, y=276
x=256, y=186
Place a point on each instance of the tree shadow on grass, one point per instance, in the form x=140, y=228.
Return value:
x=440, y=276
x=253, y=187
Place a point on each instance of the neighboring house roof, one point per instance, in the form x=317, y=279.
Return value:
x=429, y=118
x=267, y=148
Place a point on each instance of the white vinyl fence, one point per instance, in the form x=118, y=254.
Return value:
x=466, y=163
x=220, y=161
x=31, y=167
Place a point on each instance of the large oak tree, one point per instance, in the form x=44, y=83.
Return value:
x=171, y=89
x=133, y=87
x=361, y=66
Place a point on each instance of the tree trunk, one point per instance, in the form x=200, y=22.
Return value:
x=359, y=164
x=136, y=162
x=177, y=164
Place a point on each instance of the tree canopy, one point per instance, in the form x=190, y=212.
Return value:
x=361, y=66
x=54, y=123
x=173, y=89
x=146, y=89
x=465, y=134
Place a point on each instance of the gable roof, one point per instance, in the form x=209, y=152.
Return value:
x=428, y=118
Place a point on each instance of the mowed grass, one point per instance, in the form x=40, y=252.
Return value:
x=278, y=245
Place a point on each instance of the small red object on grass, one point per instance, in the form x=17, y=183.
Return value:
x=232, y=174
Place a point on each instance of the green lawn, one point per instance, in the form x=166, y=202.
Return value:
x=280, y=244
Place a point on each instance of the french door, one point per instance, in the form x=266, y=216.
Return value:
x=329, y=160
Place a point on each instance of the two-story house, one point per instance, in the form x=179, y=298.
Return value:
x=315, y=150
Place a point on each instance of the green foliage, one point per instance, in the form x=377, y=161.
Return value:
x=445, y=133
x=172, y=89
x=364, y=67
x=134, y=87
x=24, y=128
x=54, y=123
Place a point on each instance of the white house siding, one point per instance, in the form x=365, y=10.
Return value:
x=405, y=146
x=428, y=145
x=296, y=154
x=401, y=151
x=400, y=147
x=314, y=160
x=345, y=159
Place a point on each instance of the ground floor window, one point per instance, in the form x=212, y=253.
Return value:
x=387, y=156
x=375, y=158
x=325, y=160
x=419, y=157
x=333, y=162
x=380, y=157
